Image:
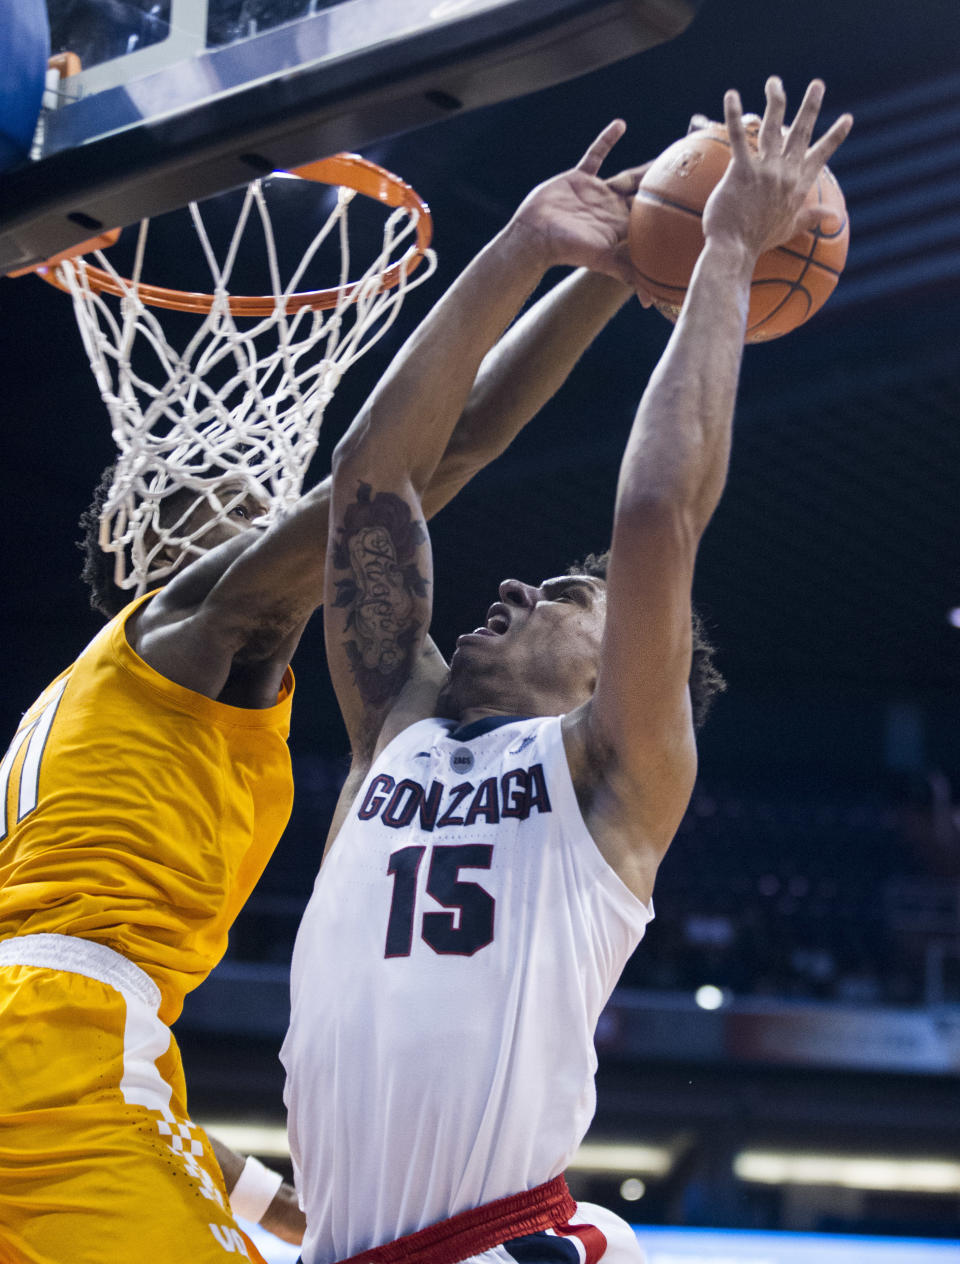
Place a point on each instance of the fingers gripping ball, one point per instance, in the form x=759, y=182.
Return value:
x=790, y=282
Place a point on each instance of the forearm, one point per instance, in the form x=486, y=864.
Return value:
x=575, y=219
x=280, y=1213
x=407, y=423
x=671, y=476
x=291, y=554
x=264, y=583
x=679, y=448
x=521, y=373
x=231, y=1163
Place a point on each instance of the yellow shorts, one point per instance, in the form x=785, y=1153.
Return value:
x=99, y=1162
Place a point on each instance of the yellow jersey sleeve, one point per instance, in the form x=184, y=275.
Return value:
x=139, y=813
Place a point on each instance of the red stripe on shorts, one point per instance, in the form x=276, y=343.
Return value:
x=469, y=1233
x=594, y=1240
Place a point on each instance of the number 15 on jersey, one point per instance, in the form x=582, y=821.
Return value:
x=457, y=934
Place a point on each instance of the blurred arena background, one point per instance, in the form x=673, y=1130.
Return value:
x=784, y=1050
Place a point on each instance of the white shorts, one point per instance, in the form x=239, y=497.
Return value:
x=593, y=1235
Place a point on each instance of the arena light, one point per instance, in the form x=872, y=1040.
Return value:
x=270, y=1141
x=906, y=1175
x=709, y=997
x=598, y=1156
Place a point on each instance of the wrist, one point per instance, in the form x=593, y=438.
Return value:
x=528, y=246
x=607, y=291
x=254, y=1191
x=730, y=254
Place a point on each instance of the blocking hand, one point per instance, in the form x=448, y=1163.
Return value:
x=760, y=200
x=580, y=219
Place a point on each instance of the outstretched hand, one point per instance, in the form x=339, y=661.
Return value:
x=581, y=219
x=760, y=200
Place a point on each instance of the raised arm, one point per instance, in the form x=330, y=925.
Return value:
x=252, y=596
x=379, y=572
x=524, y=370
x=631, y=748
x=530, y=363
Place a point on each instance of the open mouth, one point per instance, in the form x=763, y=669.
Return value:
x=498, y=620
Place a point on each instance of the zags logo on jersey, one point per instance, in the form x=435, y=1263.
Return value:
x=516, y=795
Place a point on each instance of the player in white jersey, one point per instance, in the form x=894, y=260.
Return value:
x=492, y=860
x=487, y=909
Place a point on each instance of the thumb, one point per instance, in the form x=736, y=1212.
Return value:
x=627, y=182
x=812, y=218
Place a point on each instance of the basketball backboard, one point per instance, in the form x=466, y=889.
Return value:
x=183, y=99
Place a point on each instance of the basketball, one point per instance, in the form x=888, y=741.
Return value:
x=790, y=282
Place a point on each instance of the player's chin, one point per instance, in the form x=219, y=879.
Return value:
x=474, y=652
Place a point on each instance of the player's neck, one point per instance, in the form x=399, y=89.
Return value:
x=528, y=702
x=469, y=715
x=466, y=700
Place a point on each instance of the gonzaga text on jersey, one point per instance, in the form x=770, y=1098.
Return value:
x=516, y=793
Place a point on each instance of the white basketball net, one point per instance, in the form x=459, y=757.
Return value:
x=255, y=432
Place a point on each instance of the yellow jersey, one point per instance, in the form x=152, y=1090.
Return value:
x=140, y=814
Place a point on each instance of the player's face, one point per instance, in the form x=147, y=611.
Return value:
x=240, y=516
x=543, y=638
x=243, y=512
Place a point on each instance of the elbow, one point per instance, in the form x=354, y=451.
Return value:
x=353, y=476
x=675, y=521
x=352, y=452
x=370, y=453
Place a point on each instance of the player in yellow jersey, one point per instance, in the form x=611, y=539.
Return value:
x=143, y=794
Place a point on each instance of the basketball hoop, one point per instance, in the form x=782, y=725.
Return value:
x=235, y=412
x=347, y=171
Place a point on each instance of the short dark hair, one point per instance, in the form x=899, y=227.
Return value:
x=105, y=593
x=705, y=678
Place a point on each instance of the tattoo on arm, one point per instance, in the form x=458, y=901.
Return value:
x=377, y=545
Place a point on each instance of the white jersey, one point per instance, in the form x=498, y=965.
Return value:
x=462, y=938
